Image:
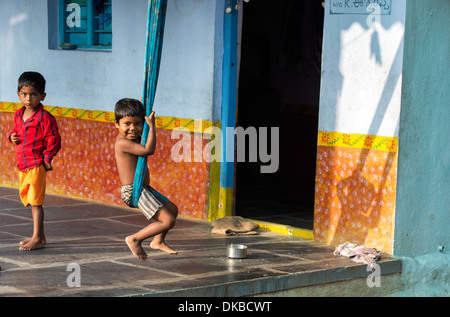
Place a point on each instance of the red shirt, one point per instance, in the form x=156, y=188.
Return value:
x=39, y=138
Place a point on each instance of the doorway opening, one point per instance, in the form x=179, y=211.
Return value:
x=279, y=86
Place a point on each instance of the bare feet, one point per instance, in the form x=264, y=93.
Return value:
x=136, y=248
x=32, y=244
x=43, y=241
x=162, y=246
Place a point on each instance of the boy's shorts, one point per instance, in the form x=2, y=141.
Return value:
x=32, y=186
x=150, y=202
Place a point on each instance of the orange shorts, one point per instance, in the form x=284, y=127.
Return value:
x=32, y=186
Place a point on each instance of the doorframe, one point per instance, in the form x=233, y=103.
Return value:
x=230, y=82
x=229, y=107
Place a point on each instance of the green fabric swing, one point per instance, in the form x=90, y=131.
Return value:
x=155, y=34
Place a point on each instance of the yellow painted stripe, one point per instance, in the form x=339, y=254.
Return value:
x=359, y=141
x=284, y=229
x=214, y=190
x=225, y=208
x=167, y=123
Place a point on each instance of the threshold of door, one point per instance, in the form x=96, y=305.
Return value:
x=284, y=229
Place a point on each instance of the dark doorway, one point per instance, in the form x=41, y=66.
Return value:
x=279, y=86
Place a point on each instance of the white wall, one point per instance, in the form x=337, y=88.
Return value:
x=362, y=69
x=97, y=80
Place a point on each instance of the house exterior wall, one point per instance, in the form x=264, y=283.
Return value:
x=359, y=116
x=95, y=80
x=422, y=219
x=423, y=200
x=382, y=173
x=84, y=85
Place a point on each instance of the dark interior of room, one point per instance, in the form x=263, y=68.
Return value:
x=279, y=86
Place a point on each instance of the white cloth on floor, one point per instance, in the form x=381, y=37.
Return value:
x=358, y=253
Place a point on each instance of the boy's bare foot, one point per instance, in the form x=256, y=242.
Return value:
x=136, y=248
x=43, y=241
x=162, y=246
x=32, y=244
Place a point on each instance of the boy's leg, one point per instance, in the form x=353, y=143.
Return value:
x=38, y=239
x=38, y=225
x=32, y=192
x=165, y=220
x=158, y=242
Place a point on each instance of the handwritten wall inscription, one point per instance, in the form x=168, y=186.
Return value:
x=361, y=7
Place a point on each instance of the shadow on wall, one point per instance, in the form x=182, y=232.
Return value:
x=355, y=188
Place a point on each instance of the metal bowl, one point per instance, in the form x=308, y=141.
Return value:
x=236, y=251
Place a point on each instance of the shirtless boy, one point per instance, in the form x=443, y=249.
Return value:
x=129, y=121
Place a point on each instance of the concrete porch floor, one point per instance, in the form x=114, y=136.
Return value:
x=92, y=236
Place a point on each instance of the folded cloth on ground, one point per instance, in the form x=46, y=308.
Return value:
x=358, y=253
x=234, y=225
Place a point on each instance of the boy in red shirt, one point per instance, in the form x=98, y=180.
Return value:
x=37, y=141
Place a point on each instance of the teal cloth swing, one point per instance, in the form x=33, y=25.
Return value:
x=155, y=34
